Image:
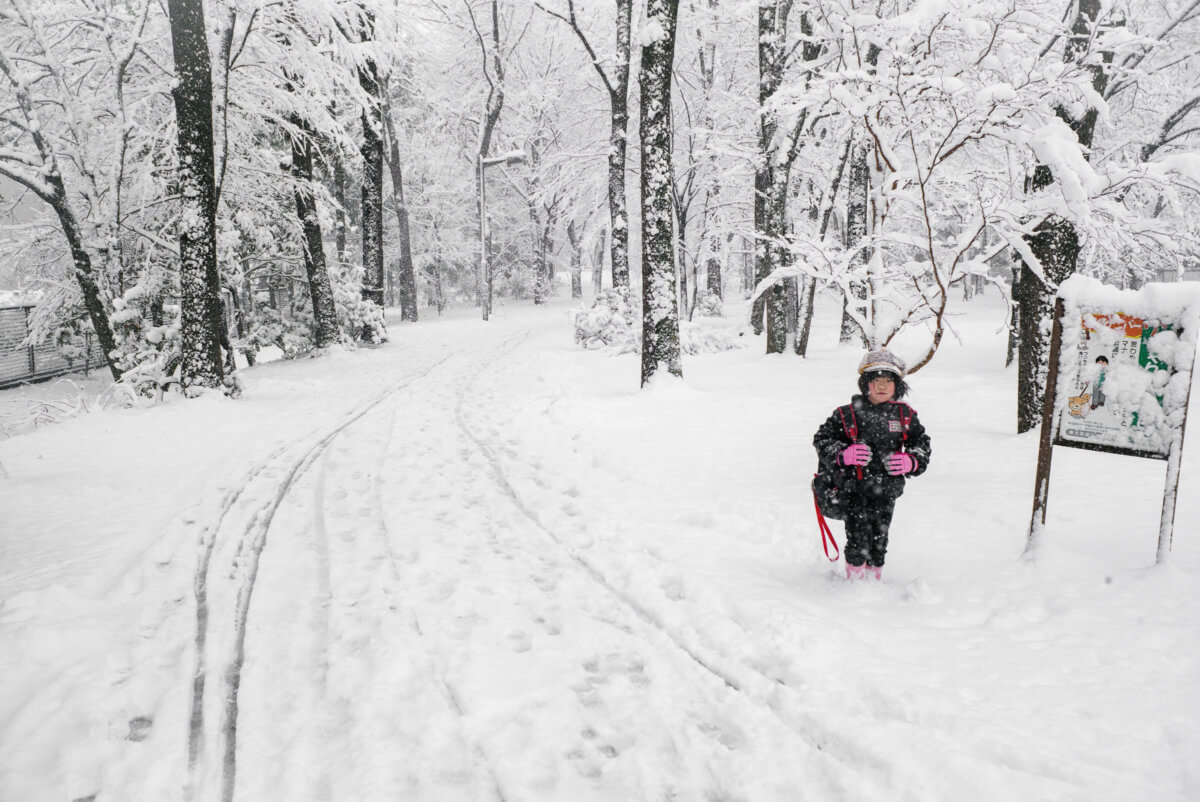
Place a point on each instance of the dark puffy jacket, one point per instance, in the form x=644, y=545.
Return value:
x=880, y=427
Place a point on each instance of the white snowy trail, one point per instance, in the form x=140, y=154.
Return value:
x=424, y=637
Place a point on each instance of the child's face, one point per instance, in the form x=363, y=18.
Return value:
x=881, y=388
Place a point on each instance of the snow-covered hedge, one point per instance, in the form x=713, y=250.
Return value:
x=608, y=323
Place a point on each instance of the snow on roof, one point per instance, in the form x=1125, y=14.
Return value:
x=10, y=299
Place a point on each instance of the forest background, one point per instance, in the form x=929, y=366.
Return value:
x=189, y=179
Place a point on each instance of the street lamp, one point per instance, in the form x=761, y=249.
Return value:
x=510, y=159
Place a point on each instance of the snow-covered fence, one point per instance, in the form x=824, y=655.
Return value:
x=21, y=361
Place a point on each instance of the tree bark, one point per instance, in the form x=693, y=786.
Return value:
x=660, y=310
x=1014, y=323
x=618, y=141
x=325, y=324
x=762, y=254
x=804, y=314
x=83, y=271
x=708, y=78
x=713, y=268
x=372, y=187
x=576, y=241
x=543, y=246
x=598, y=262
x=406, y=278
x=858, y=187
x=340, y=216
x=200, y=290
x=491, y=115
x=771, y=178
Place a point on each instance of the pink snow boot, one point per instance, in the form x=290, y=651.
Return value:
x=854, y=572
x=875, y=571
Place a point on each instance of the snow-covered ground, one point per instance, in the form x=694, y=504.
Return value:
x=479, y=564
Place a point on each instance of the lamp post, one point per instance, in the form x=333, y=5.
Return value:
x=485, y=269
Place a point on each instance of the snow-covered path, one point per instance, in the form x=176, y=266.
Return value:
x=468, y=567
x=423, y=636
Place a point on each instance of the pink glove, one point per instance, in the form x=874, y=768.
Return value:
x=857, y=454
x=900, y=464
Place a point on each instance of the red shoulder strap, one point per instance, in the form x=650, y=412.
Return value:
x=905, y=418
x=851, y=432
x=851, y=427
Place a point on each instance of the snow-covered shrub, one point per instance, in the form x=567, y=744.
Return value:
x=73, y=403
x=291, y=334
x=701, y=337
x=608, y=323
x=356, y=315
x=708, y=304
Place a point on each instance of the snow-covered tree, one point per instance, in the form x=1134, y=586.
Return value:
x=69, y=122
x=405, y=276
x=660, y=306
x=945, y=110
x=615, y=79
x=200, y=286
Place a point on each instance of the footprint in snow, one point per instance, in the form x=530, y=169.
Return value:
x=589, y=757
x=674, y=588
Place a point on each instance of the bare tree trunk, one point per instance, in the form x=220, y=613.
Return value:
x=660, y=311
x=598, y=262
x=543, y=267
x=576, y=242
x=708, y=78
x=713, y=266
x=325, y=324
x=406, y=279
x=618, y=141
x=771, y=178
x=372, y=188
x=762, y=254
x=1014, y=323
x=82, y=261
x=857, y=215
x=340, y=216
x=804, y=314
x=681, y=212
x=491, y=115
x=200, y=288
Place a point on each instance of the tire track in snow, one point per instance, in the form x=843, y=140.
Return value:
x=357, y=579
x=250, y=536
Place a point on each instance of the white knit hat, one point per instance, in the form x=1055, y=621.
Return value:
x=883, y=359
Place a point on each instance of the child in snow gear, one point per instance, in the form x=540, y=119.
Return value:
x=868, y=446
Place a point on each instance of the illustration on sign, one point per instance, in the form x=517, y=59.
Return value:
x=1117, y=377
